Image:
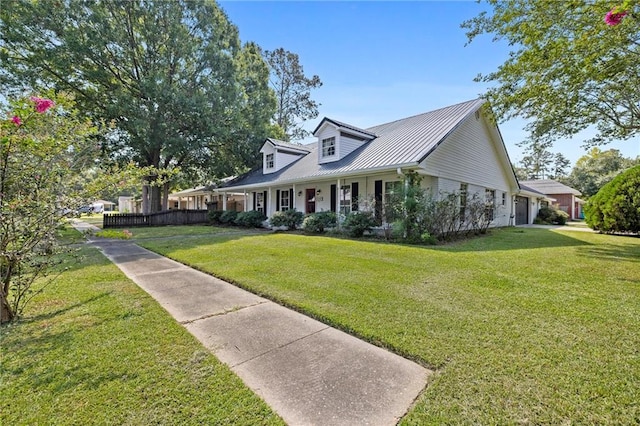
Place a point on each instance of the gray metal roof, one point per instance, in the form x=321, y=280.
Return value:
x=404, y=142
x=343, y=125
x=288, y=145
x=550, y=187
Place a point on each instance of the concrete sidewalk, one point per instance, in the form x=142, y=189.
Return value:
x=308, y=372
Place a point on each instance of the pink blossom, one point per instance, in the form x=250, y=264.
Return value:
x=614, y=17
x=16, y=120
x=42, y=104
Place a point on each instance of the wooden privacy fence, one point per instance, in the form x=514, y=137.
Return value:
x=169, y=217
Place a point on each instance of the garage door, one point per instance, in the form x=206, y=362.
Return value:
x=522, y=210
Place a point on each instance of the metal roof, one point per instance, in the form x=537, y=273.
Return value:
x=400, y=143
x=551, y=187
x=343, y=125
x=288, y=145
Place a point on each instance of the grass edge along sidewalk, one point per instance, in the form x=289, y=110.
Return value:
x=523, y=326
x=96, y=349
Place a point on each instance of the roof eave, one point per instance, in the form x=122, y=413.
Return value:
x=318, y=178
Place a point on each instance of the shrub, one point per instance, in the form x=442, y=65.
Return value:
x=316, y=223
x=616, y=207
x=289, y=218
x=561, y=217
x=357, y=223
x=550, y=215
x=228, y=217
x=250, y=219
x=214, y=216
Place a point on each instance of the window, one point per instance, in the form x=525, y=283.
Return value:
x=393, y=189
x=269, y=161
x=345, y=199
x=260, y=202
x=504, y=198
x=490, y=200
x=464, y=188
x=284, y=200
x=329, y=147
x=392, y=198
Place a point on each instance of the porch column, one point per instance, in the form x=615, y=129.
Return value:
x=337, y=199
x=224, y=201
x=268, y=203
x=244, y=207
x=295, y=196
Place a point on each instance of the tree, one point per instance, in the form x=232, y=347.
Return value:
x=538, y=159
x=559, y=167
x=293, y=92
x=568, y=69
x=171, y=75
x=41, y=148
x=595, y=169
x=616, y=207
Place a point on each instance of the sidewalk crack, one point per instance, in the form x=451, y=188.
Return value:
x=226, y=311
x=280, y=347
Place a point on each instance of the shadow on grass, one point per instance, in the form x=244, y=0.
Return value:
x=515, y=239
x=612, y=253
x=50, y=315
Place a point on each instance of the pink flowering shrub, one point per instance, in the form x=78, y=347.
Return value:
x=614, y=16
x=16, y=120
x=42, y=104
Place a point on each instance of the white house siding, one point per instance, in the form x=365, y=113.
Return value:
x=266, y=150
x=328, y=131
x=348, y=145
x=468, y=155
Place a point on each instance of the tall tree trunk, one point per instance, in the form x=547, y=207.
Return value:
x=145, y=199
x=155, y=198
x=165, y=196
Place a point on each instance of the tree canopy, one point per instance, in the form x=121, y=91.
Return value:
x=568, y=68
x=595, y=169
x=293, y=92
x=172, y=76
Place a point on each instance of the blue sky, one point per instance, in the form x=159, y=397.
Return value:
x=381, y=61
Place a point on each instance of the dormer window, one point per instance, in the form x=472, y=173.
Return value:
x=269, y=161
x=329, y=147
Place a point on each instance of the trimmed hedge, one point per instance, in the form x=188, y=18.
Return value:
x=316, y=223
x=289, y=218
x=250, y=219
x=549, y=215
x=228, y=217
x=616, y=207
x=357, y=223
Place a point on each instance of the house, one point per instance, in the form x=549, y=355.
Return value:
x=205, y=197
x=565, y=197
x=456, y=149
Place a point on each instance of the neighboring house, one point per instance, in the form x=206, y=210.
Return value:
x=191, y=199
x=566, y=198
x=205, y=197
x=108, y=206
x=457, y=149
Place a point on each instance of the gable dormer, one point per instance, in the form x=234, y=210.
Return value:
x=277, y=154
x=336, y=140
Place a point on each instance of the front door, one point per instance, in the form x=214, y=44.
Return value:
x=311, y=200
x=522, y=210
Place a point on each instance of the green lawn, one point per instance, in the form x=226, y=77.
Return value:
x=523, y=326
x=96, y=349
